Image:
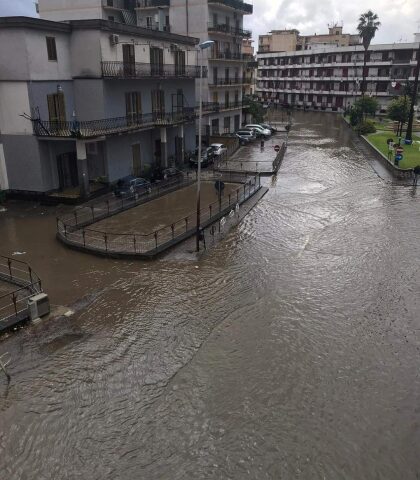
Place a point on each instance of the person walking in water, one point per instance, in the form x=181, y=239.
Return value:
x=416, y=173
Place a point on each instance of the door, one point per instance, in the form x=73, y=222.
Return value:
x=129, y=60
x=67, y=170
x=136, y=156
x=133, y=107
x=158, y=153
x=56, y=107
x=156, y=61
x=215, y=126
x=237, y=122
x=180, y=63
x=178, y=150
x=158, y=104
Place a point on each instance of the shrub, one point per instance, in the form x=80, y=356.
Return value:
x=365, y=127
x=355, y=116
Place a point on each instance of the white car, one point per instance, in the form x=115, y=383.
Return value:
x=219, y=149
x=263, y=131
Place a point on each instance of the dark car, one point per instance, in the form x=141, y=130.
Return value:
x=131, y=185
x=207, y=157
x=171, y=173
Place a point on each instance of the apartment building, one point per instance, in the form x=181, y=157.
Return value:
x=329, y=77
x=291, y=40
x=218, y=20
x=88, y=99
x=222, y=22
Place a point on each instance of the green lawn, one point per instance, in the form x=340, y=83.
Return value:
x=411, y=155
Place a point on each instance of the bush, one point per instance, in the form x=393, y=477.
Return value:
x=356, y=116
x=365, y=127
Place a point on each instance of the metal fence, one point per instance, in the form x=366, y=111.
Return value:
x=150, y=70
x=21, y=275
x=109, y=126
x=74, y=230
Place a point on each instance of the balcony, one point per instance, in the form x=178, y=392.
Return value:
x=245, y=8
x=111, y=126
x=228, y=82
x=231, y=56
x=228, y=30
x=152, y=3
x=147, y=70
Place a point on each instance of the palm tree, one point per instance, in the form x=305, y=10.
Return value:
x=368, y=24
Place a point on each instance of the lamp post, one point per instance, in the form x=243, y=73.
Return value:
x=202, y=46
x=409, y=132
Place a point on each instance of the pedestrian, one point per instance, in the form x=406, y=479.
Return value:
x=416, y=173
x=262, y=145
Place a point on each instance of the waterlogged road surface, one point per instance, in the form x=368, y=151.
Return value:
x=290, y=351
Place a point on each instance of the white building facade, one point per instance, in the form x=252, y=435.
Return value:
x=91, y=100
x=329, y=77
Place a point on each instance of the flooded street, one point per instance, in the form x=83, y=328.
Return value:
x=289, y=351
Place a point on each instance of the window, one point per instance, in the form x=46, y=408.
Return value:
x=56, y=107
x=158, y=103
x=51, y=49
x=226, y=124
x=133, y=106
x=149, y=22
x=236, y=98
x=226, y=99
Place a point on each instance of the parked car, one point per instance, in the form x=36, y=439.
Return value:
x=219, y=149
x=171, y=172
x=263, y=131
x=132, y=185
x=269, y=127
x=246, y=135
x=207, y=157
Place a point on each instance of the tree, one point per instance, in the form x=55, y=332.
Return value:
x=367, y=106
x=255, y=109
x=367, y=27
x=409, y=132
x=399, y=110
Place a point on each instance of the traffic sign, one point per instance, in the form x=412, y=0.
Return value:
x=277, y=148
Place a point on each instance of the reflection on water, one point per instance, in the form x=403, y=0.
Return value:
x=290, y=351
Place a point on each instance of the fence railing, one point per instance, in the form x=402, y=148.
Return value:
x=74, y=230
x=20, y=275
x=109, y=126
x=224, y=28
x=150, y=70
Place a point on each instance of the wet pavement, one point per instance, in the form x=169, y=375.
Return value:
x=290, y=350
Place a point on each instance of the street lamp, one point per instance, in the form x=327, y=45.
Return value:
x=202, y=46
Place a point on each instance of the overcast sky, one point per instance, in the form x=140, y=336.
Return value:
x=399, y=18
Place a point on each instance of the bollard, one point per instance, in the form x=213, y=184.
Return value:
x=106, y=242
x=65, y=230
x=75, y=217
x=84, y=237
x=186, y=224
x=93, y=213
x=210, y=207
x=134, y=243
x=156, y=239
x=9, y=263
x=173, y=231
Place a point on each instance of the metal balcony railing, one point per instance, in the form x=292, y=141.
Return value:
x=111, y=126
x=150, y=70
x=236, y=4
x=224, y=28
x=219, y=82
x=227, y=55
x=152, y=3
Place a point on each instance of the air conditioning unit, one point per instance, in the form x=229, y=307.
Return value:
x=38, y=306
x=114, y=39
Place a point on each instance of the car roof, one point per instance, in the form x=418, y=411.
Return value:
x=245, y=131
x=217, y=145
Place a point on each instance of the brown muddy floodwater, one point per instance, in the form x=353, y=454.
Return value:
x=290, y=351
x=164, y=211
